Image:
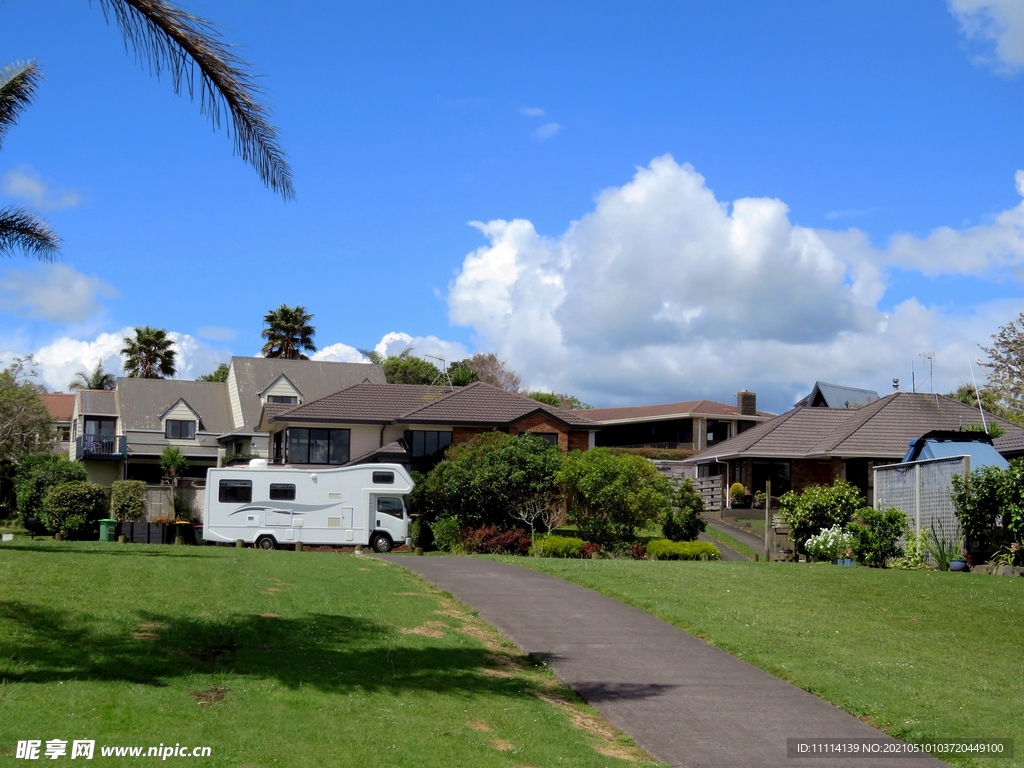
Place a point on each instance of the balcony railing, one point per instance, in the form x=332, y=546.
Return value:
x=101, y=447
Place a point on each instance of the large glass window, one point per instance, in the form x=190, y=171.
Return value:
x=282, y=491
x=318, y=446
x=427, y=442
x=550, y=437
x=390, y=506
x=179, y=430
x=235, y=491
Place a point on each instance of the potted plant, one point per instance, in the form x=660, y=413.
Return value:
x=738, y=496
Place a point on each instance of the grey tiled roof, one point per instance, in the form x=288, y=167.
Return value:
x=371, y=403
x=143, y=400
x=314, y=378
x=838, y=396
x=664, y=410
x=879, y=430
x=97, y=402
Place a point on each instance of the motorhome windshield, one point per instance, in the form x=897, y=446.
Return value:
x=390, y=506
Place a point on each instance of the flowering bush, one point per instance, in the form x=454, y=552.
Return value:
x=831, y=544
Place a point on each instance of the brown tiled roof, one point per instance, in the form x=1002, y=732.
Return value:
x=879, y=430
x=481, y=403
x=362, y=403
x=1011, y=444
x=664, y=410
x=60, y=406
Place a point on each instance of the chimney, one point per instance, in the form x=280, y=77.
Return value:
x=747, y=403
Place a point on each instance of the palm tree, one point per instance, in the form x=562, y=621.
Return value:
x=150, y=355
x=167, y=39
x=98, y=379
x=288, y=333
x=20, y=229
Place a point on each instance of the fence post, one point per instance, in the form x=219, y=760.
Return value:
x=917, y=499
x=767, y=519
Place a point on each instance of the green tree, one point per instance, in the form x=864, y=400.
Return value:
x=98, y=379
x=220, y=374
x=37, y=473
x=74, y=509
x=548, y=398
x=1006, y=367
x=612, y=496
x=819, y=507
x=683, y=521
x=288, y=333
x=968, y=395
x=461, y=375
x=406, y=368
x=149, y=355
x=24, y=420
x=979, y=506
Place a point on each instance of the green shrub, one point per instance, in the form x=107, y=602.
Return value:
x=447, y=533
x=128, y=500
x=876, y=535
x=182, y=510
x=737, y=491
x=663, y=549
x=37, y=474
x=74, y=509
x=914, y=551
x=559, y=546
x=662, y=454
x=612, y=496
x=683, y=522
x=979, y=506
x=819, y=507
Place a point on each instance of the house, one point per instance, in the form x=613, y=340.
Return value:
x=825, y=395
x=693, y=425
x=813, y=444
x=121, y=433
x=61, y=408
x=412, y=424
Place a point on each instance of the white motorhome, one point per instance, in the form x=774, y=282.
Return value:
x=344, y=506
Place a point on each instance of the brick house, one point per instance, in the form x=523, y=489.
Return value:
x=412, y=424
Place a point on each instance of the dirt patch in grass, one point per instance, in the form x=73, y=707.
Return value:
x=271, y=590
x=208, y=697
x=502, y=745
x=610, y=740
x=149, y=633
x=270, y=615
x=430, y=629
x=478, y=725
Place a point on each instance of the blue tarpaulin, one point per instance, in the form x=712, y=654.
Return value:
x=982, y=454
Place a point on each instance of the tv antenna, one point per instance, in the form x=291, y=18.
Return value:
x=442, y=375
x=930, y=357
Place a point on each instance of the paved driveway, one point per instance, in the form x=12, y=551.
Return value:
x=684, y=701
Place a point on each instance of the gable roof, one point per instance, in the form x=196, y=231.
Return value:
x=879, y=430
x=478, y=403
x=272, y=383
x=825, y=395
x=184, y=402
x=314, y=378
x=144, y=401
x=97, y=402
x=61, y=406
x=660, y=411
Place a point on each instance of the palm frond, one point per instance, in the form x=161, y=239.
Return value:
x=17, y=89
x=20, y=229
x=186, y=46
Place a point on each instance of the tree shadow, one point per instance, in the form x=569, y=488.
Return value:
x=111, y=549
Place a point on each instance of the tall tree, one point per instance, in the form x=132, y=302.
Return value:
x=20, y=229
x=1006, y=367
x=149, y=355
x=288, y=333
x=219, y=374
x=98, y=379
x=24, y=420
x=490, y=369
x=406, y=368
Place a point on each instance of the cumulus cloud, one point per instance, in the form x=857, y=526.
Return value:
x=339, y=353
x=59, y=361
x=54, y=292
x=26, y=184
x=532, y=111
x=394, y=343
x=998, y=25
x=663, y=292
x=547, y=130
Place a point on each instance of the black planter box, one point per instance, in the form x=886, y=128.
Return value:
x=147, y=533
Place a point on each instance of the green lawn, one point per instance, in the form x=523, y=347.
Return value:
x=734, y=544
x=271, y=658
x=920, y=654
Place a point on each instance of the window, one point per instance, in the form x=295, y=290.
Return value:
x=282, y=492
x=179, y=430
x=235, y=491
x=99, y=426
x=390, y=506
x=551, y=437
x=427, y=442
x=285, y=399
x=318, y=446
x=384, y=477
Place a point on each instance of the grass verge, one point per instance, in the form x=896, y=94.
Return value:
x=271, y=658
x=920, y=654
x=731, y=543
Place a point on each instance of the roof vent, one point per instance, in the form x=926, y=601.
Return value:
x=747, y=403
x=258, y=464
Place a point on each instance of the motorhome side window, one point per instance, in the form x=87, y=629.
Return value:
x=282, y=492
x=235, y=491
x=387, y=478
x=390, y=506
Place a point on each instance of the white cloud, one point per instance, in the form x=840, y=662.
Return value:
x=394, y=343
x=26, y=184
x=59, y=361
x=532, y=111
x=339, y=353
x=216, y=333
x=547, y=130
x=663, y=292
x=995, y=23
x=54, y=292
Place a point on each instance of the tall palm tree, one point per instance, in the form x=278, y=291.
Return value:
x=20, y=229
x=150, y=355
x=187, y=47
x=98, y=379
x=288, y=333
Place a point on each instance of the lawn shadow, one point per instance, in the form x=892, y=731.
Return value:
x=110, y=550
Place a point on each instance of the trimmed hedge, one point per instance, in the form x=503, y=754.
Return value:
x=74, y=509
x=656, y=454
x=560, y=546
x=128, y=500
x=447, y=533
x=663, y=549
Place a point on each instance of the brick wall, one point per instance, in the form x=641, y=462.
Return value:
x=462, y=434
x=579, y=440
x=541, y=423
x=806, y=473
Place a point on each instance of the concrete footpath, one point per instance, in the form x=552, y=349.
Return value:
x=684, y=701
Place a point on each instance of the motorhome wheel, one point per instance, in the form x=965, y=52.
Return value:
x=266, y=542
x=382, y=544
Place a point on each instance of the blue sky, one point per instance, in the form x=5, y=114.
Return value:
x=603, y=147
